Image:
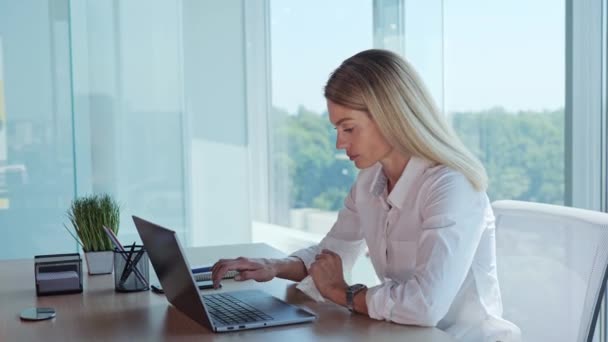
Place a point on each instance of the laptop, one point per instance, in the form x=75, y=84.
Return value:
x=221, y=312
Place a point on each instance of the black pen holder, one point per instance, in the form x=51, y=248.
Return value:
x=131, y=270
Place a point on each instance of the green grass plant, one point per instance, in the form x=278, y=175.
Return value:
x=88, y=215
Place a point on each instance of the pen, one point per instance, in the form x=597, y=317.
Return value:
x=132, y=266
x=202, y=269
x=122, y=276
x=120, y=248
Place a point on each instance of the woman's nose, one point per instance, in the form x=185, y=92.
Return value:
x=340, y=143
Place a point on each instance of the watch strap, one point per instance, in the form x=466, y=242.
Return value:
x=351, y=292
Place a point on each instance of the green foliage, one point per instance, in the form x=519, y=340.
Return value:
x=523, y=154
x=305, y=147
x=88, y=215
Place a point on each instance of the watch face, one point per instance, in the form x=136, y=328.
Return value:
x=351, y=292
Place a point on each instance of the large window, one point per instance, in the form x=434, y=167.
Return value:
x=505, y=92
x=122, y=98
x=36, y=156
x=309, y=40
x=501, y=85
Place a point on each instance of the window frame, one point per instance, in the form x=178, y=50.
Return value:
x=258, y=92
x=585, y=110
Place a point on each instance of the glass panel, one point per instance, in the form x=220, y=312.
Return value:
x=36, y=155
x=158, y=121
x=129, y=109
x=504, y=92
x=312, y=177
x=216, y=125
x=167, y=118
x=505, y=95
x=148, y=124
x=309, y=177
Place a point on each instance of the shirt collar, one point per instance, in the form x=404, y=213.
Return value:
x=414, y=168
x=378, y=183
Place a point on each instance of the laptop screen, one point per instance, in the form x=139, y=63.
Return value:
x=172, y=269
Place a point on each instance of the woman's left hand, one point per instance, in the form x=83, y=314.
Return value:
x=326, y=272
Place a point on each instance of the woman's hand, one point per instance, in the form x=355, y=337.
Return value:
x=256, y=269
x=326, y=272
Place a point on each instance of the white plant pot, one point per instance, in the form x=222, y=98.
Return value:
x=100, y=262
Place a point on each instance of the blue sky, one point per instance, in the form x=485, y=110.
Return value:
x=508, y=53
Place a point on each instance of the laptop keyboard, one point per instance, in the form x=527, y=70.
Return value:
x=225, y=309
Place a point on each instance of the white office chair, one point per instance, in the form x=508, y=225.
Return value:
x=552, y=266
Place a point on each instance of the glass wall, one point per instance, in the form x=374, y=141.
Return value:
x=309, y=177
x=309, y=40
x=122, y=98
x=167, y=118
x=161, y=122
x=36, y=128
x=505, y=92
x=501, y=85
x=128, y=108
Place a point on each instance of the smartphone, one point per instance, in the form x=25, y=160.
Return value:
x=202, y=285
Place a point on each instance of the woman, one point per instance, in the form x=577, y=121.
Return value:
x=419, y=204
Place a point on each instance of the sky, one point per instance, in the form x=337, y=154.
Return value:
x=489, y=53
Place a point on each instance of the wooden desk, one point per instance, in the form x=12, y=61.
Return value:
x=100, y=314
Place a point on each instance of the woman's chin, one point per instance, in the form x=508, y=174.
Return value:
x=361, y=164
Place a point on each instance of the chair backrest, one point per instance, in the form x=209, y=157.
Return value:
x=552, y=264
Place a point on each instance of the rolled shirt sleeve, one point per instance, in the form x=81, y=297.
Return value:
x=453, y=216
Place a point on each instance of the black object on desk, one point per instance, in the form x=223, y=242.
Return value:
x=58, y=274
x=131, y=269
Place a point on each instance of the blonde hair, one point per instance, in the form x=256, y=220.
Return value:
x=386, y=86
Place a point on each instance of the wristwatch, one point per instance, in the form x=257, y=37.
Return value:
x=351, y=291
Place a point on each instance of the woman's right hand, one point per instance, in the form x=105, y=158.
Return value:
x=256, y=269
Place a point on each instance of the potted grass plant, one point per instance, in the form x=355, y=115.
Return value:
x=88, y=215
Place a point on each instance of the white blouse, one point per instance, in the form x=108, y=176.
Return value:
x=432, y=244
